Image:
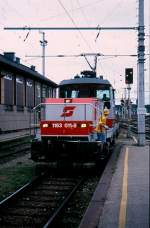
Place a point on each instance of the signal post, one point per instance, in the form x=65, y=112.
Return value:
x=129, y=81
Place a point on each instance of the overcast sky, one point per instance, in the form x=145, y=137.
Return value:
x=76, y=13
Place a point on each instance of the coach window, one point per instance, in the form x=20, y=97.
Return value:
x=19, y=93
x=54, y=93
x=38, y=91
x=47, y=91
x=37, y=94
x=43, y=92
x=29, y=94
x=50, y=92
x=8, y=92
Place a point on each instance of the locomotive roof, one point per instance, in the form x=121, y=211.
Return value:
x=84, y=80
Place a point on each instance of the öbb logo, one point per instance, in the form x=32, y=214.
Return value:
x=68, y=111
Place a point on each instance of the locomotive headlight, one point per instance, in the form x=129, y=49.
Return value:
x=45, y=125
x=68, y=100
x=83, y=125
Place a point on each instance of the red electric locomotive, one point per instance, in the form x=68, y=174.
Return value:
x=67, y=124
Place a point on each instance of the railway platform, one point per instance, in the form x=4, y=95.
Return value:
x=121, y=199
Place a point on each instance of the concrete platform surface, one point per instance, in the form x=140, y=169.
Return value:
x=127, y=200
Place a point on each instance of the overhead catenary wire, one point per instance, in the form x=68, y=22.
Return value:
x=74, y=23
x=106, y=18
x=82, y=12
x=61, y=14
x=85, y=54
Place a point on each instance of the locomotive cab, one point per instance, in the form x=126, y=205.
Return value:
x=87, y=85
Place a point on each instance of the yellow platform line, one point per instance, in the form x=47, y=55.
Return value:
x=123, y=203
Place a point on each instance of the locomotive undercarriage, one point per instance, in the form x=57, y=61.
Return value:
x=57, y=149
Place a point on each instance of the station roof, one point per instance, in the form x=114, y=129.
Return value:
x=14, y=65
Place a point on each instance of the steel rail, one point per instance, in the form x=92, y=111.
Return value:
x=53, y=218
x=13, y=148
x=20, y=191
x=134, y=127
x=8, y=205
x=10, y=154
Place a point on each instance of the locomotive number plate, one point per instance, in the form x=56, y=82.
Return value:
x=57, y=125
x=70, y=125
x=65, y=125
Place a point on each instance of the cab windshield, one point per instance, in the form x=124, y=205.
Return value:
x=85, y=92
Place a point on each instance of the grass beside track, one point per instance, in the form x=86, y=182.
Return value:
x=13, y=177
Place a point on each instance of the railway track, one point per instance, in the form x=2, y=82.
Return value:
x=38, y=203
x=133, y=126
x=12, y=149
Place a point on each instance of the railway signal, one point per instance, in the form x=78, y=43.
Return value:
x=129, y=75
x=122, y=102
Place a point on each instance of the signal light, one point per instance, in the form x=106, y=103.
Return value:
x=129, y=75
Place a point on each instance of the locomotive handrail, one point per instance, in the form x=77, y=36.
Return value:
x=65, y=104
x=38, y=106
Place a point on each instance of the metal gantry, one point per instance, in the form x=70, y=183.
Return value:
x=71, y=28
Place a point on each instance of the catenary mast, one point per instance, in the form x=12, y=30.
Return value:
x=140, y=78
